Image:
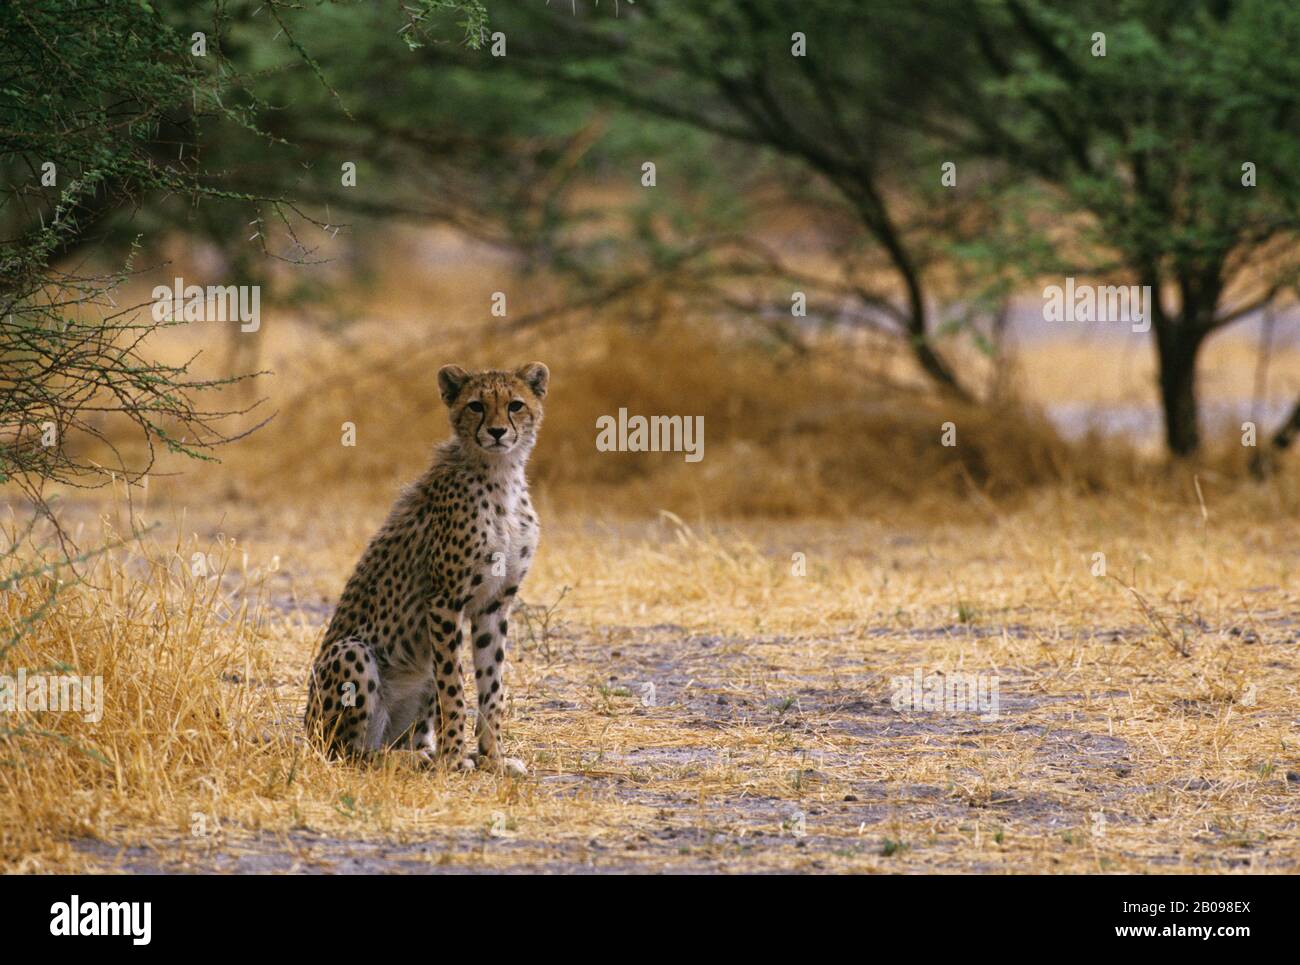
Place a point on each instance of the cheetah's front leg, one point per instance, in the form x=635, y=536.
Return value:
x=450, y=721
x=489, y=632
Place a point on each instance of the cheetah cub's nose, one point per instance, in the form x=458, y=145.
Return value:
x=497, y=433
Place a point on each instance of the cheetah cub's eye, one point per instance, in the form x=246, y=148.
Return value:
x=475, y=407
x=516, y=405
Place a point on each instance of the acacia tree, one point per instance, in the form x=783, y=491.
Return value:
x=1168, y=134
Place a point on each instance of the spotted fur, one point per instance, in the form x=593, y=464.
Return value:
x=444, y=568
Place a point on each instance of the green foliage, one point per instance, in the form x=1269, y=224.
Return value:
x=472, y=18
x=1149, y=140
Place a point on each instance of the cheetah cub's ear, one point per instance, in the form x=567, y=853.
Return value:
x=451, y=379
x=536, y=376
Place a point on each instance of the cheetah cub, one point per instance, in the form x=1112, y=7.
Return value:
x=455, y=547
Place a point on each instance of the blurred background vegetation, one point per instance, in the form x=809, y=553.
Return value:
x=841, y=245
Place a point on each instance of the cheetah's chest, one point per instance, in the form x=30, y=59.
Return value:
x=507, y=540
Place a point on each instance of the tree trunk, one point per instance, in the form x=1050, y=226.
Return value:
x=1178, y=350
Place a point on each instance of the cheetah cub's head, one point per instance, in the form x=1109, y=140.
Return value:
x=495, y=412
